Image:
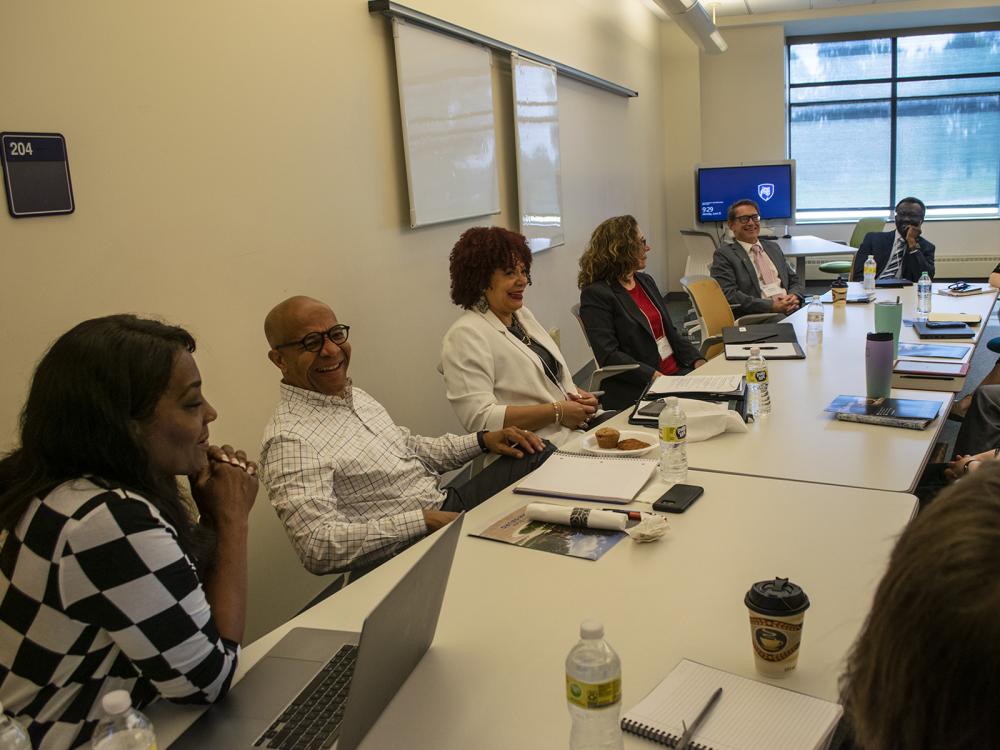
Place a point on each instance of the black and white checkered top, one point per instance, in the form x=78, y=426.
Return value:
x=96, y=595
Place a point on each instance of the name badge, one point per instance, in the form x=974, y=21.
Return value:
x=663, y=347
x=772, y=290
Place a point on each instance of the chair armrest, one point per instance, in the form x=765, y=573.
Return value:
x=756, y=318
x=603, y=373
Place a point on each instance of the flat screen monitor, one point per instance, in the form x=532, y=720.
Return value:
x=772, y=186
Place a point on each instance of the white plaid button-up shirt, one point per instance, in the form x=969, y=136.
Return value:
x=348, y=483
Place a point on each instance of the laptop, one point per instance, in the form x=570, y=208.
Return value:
x=300, y=673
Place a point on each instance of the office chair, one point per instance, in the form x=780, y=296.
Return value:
x=599, y=374
x=714, y=312
x=863, y=227
x=701, y=247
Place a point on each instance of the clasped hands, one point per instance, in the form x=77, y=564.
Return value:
x=225, y=489
x=785, y=303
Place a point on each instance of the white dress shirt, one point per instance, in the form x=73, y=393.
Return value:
x=348, y=483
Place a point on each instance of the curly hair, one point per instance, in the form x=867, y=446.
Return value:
x=613, y=252
x=923, y=672
x=478, y=253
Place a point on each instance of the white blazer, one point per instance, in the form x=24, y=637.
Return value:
x=486, y=368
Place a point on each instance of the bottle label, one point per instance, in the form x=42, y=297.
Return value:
x=587, y=695
x=759, y=376
x=673, y=434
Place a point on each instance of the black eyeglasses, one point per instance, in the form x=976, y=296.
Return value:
x=755, y=218
x=313, y=342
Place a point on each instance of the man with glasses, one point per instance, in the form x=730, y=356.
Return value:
x=753, y=273
x=351, y=487
x=899, y=254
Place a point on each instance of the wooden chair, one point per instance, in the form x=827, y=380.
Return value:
x=714, y=312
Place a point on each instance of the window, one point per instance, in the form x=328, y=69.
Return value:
x=873, y=120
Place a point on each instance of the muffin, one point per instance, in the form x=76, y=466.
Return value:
x=631, y=444
x=607, y=437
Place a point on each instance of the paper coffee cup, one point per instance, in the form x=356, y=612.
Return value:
x=777, y=610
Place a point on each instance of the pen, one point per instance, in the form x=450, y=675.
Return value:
x=597, y=393
x=761, y=347
x=690, y=730
x=633, y=515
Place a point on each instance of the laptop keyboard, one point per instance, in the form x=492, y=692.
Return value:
x=312, y=720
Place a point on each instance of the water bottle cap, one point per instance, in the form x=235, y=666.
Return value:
x=871, y=257
x=670, y=402
x=754, y=351
x=591, y=629
x=117, y=702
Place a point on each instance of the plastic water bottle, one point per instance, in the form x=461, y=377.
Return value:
x=594, y=691
x=760, y=399
x=12, y=734
x=870, y=275
x=673, y=442
x=122, y=728
x=814, y=322
x=923, y=296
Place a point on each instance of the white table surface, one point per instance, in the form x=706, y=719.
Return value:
x=805, y=246
x=853, y=317
x=801, y=442
x=493, y=678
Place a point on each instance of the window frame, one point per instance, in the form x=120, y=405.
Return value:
x=946, y=213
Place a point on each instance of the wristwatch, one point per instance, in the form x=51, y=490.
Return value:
x=481, y=437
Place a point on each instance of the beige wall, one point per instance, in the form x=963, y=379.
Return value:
x=228, y=154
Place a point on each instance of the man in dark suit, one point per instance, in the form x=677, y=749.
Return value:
x=753, y=273
x=902, y=254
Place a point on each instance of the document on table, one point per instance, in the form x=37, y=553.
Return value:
x=695, y=384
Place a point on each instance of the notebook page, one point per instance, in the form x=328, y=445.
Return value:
x=612, y=478
x=696, y=384
x=750, y=715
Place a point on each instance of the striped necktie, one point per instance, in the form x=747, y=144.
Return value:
x=891, y=270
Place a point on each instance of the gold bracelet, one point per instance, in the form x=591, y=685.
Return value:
x=558, y=410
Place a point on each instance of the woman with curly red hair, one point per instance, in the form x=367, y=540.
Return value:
x=501, y=368
x=624, y=314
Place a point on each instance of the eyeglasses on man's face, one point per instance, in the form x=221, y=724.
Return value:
x=912, y=217
x=744, y=220
x=313, y=342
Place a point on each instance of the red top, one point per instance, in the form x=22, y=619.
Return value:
x=667, y=366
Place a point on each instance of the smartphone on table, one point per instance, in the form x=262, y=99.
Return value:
x=678, y=498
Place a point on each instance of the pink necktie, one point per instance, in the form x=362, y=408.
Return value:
x=767, y=274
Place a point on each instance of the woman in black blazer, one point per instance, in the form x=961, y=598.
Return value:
x=624, y=314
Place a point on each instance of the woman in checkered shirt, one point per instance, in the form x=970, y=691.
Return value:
x=110, y=578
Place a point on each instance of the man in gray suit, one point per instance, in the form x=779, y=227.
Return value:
x=753, y=273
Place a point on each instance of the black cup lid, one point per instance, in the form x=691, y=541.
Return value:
x=779, y=597
x=840, y=282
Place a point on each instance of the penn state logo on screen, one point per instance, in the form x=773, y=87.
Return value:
x=765, y=191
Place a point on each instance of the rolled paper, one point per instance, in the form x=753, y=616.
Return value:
x=584, y=518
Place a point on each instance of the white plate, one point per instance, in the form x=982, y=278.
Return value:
x=589, y=443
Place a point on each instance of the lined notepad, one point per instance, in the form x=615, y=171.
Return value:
x=750, y=715
x=610, y=479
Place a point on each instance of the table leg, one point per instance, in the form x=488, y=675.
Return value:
x=800, y=268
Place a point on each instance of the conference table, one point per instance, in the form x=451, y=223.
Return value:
x=800, y=441
x=493, y=678
x=805, y=246
x=800, y=496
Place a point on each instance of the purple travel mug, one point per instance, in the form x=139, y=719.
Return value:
x=878, y=364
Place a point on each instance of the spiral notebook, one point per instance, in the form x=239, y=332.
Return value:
x=750, y=715
x=609, y=479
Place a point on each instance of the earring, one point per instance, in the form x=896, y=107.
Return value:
x=482, y=305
